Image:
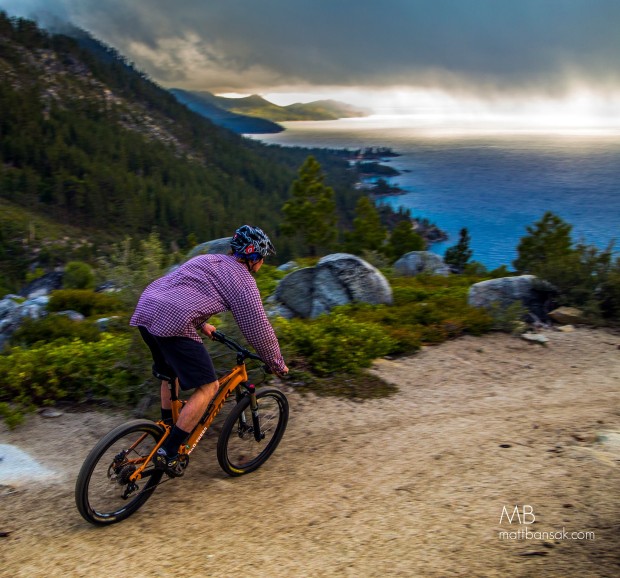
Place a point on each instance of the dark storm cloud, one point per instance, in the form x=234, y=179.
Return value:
x=470, y=44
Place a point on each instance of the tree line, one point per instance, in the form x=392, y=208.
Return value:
x=88, y=141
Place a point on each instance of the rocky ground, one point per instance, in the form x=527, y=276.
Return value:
x=411, y=485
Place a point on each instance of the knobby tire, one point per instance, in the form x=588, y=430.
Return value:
x=103, y=480
x=238, y=452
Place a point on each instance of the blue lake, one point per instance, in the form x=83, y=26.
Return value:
x=492, y=181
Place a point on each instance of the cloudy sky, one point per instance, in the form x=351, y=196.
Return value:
x=390, y=51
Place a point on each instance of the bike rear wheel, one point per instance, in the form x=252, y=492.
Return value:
x=103, y=491
x=238, y=450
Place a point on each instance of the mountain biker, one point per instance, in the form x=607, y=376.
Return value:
x=172, y=309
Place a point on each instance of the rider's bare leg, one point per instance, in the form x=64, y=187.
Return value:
x=196, y=406
x=187, y=421
x=165, y=394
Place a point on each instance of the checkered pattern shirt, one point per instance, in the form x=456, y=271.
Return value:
x=178, y=303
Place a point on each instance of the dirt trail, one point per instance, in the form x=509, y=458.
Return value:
x=412, y=485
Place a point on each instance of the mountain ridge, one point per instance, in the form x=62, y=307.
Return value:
x=238, y=123
x=257, y=106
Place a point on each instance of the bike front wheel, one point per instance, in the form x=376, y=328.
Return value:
x=104, y=493
x=238, y=449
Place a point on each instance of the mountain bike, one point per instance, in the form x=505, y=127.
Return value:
x=118, y=475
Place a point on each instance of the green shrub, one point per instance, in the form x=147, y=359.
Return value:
x=12, y=416
x=78, y=275
x=610, y=293
x=34, y=275
x=52, y=328
x=84, y=301
x=426, y=310
x=74, y=370
x=133, y=265
x=508, y=319
x=335, y=343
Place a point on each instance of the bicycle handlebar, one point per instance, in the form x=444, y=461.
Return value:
x=242, y=352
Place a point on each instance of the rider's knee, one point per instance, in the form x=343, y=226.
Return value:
x=209, y=388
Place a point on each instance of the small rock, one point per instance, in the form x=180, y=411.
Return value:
x=566, y=328
x=73, y=315
x=567, y=315
x=289, y=266
x=535, y=337
x=50, y=412
x=215, y=246
x=584, y=437
x=418, y=262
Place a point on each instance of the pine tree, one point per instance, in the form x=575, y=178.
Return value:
x=458, y=255
x=310, y=213
x=368, y=233
x=582, y=274
x=404, y=240
x=548, y=240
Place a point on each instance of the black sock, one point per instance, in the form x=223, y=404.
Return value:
x=174, y=440
x=166, y=416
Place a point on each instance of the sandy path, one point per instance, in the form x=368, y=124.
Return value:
x=412, y=485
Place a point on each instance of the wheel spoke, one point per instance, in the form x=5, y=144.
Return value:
x=238, y=450
x=105, y=492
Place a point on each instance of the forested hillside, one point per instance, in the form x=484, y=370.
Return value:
x=90, y=147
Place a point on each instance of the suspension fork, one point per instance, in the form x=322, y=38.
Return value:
x=258, y=435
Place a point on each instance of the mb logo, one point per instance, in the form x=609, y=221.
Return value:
x=525, y=515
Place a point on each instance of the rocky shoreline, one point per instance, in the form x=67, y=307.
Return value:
x=373, y=178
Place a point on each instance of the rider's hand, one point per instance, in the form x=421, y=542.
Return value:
x=208, y=329
x=283, y=372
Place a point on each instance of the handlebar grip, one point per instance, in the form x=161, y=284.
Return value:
x=217, y=336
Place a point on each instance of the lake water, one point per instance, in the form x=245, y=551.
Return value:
x=491, y=180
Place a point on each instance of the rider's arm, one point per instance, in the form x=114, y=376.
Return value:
x=247, y=309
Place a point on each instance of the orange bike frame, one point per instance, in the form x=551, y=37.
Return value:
x=228, y=384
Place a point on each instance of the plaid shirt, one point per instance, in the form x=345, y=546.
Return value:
x=181, y=301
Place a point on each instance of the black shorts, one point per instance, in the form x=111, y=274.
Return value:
x=180, y=357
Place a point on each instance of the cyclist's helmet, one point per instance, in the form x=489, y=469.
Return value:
x=252, y=243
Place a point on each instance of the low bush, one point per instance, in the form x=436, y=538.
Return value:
x=12, y=416
x=78, y=275
x=426, y=310
x=75, y=370
x=335, y=343
x=84, y=301
x=53, y=328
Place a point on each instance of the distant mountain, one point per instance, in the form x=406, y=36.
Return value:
x=239, y=123
x=326, y=108
x=256, y=106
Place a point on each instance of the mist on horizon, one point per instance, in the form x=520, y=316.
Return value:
x=540, y=61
